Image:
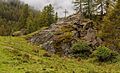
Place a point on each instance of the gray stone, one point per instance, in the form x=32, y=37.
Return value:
x=55, y=34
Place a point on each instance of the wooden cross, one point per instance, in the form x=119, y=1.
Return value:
x=65, y=12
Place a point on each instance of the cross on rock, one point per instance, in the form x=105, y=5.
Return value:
x=65, y=12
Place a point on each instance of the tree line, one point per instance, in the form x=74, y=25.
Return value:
x=15, y=16
x=91, y=8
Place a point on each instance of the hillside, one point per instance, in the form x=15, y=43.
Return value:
x=18, y=56
x=39, y=41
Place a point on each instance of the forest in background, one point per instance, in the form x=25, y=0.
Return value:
x=16, y=16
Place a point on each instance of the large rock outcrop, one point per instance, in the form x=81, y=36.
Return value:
x=59, y=37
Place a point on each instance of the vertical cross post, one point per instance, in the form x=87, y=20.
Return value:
x=65, y=13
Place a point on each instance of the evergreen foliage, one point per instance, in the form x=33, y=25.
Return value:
x=104, y=54
x=81, y=49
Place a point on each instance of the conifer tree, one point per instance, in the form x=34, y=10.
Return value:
x=111, y=27
x=48, y=15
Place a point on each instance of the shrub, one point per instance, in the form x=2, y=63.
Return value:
x=81, y=49
x=104, y=54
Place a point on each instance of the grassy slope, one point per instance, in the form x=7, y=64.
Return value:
x=17, y=56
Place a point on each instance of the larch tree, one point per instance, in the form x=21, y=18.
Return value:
x=48, y=15
x=111, y=27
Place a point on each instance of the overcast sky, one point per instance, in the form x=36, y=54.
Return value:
x=59, y=5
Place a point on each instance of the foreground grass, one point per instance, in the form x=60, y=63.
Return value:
x=18, y=56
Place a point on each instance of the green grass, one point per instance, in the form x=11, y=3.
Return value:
x=18, y=56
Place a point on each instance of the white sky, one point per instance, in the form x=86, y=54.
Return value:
x=59, y=5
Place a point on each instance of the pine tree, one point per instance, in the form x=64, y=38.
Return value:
x=48, y=15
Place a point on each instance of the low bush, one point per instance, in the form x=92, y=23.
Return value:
x=103, y=54
x=81, y=49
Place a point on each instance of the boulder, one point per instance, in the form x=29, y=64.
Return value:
x=59, y=37
x=91, y=37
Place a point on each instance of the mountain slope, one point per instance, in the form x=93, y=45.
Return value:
x=19, y=56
